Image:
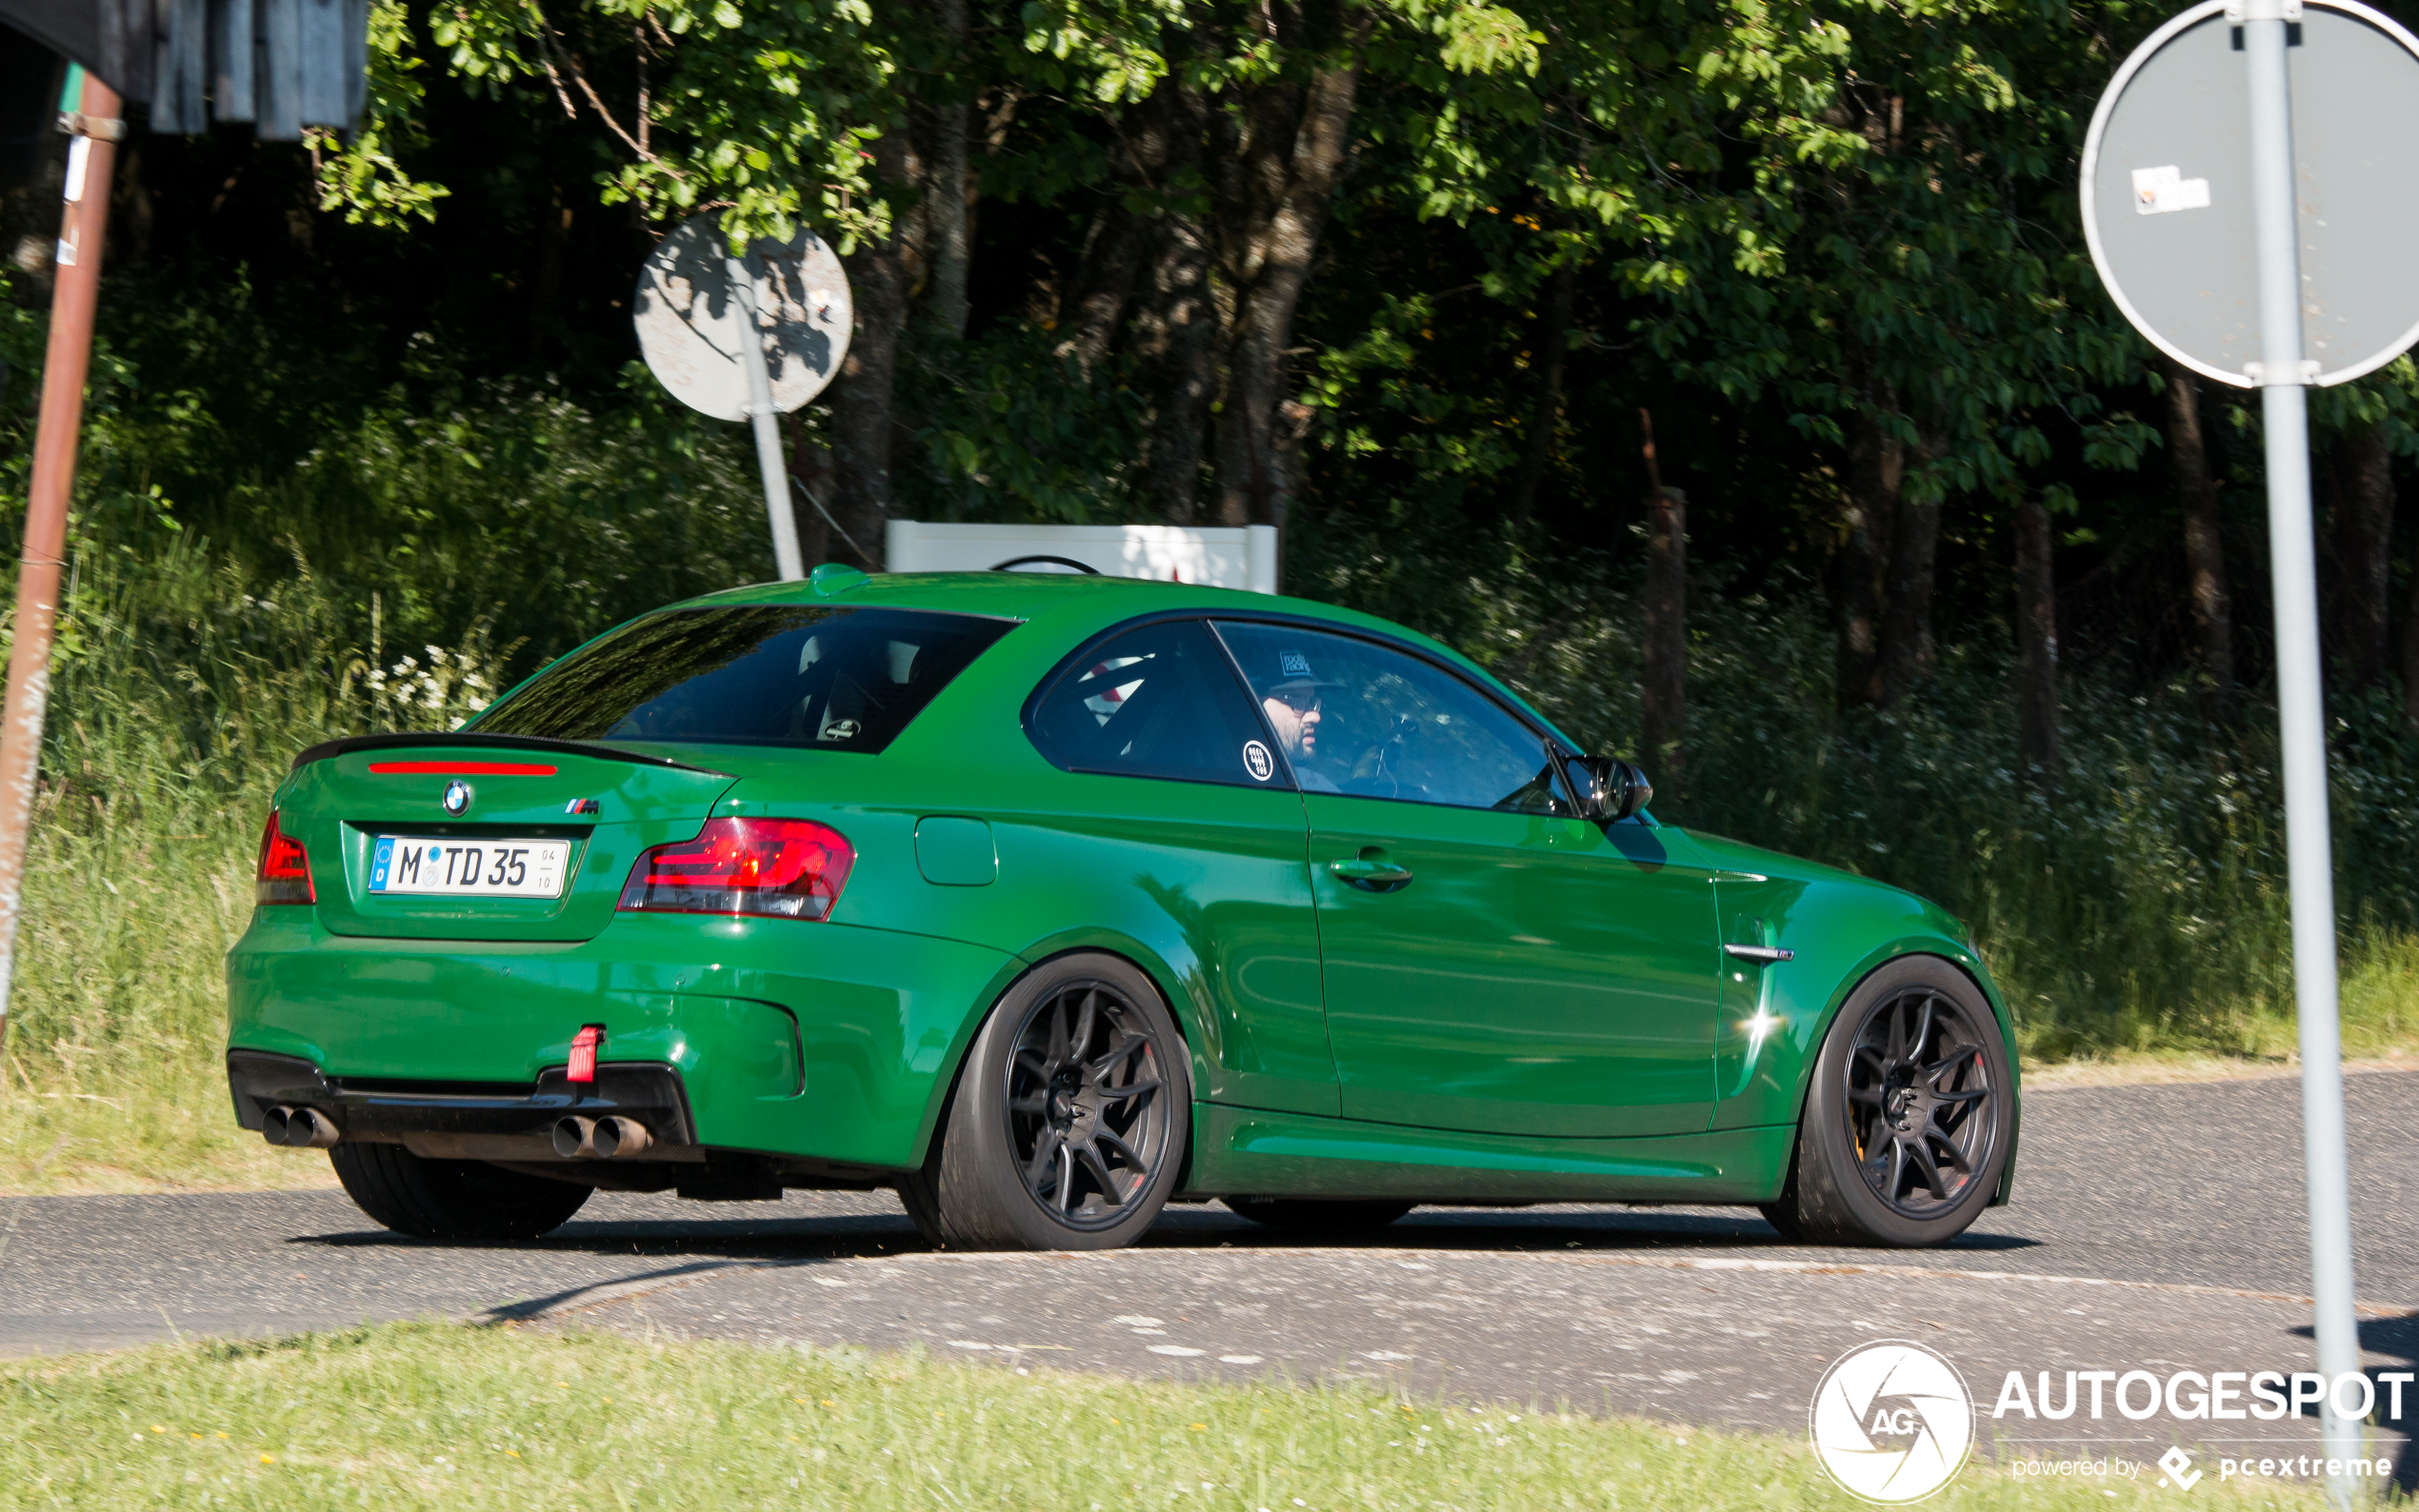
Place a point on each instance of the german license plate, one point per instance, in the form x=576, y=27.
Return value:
x=469, y=869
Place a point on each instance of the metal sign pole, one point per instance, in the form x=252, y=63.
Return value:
x=765, y=418
x=2233, y=220
x=74, y=293
x=2302, y=716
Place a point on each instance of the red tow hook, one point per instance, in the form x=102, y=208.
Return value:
x=583, y=1067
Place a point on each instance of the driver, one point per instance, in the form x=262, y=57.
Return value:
x=1295, y=706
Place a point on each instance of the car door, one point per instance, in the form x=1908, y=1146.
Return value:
x=1176, y=825
x=1491, y=961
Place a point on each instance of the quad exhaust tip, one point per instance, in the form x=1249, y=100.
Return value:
x=604, y=1139
x=574, y=1137
x=621, y=1138
x=299, y=1128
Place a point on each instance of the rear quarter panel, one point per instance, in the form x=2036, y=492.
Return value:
x=877, y=1017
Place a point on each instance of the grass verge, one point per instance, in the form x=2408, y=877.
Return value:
x=170, y=1130
x=439, y=1416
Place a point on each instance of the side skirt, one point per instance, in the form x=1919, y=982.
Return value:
x=1238, y=1150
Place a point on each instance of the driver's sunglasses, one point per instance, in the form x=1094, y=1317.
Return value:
x=1302, y=701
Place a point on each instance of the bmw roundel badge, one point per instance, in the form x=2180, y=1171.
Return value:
x=457, y=797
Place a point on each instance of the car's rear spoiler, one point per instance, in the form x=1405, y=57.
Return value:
x=477, y=740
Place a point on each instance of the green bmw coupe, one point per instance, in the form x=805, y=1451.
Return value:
x=1048, y=899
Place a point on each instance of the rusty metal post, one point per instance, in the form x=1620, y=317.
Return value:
x=75, y=288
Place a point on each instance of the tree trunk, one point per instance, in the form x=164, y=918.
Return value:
x=1180, y=353
x=2364, y=540
x=1175, y=330
x=1123, y=240
x=2037, y=641
x=861, y=400
x=1907, y=638
x=948, y=245
x=1547, y=352
x=810, y=470
x=1283, y=157
x=2203, y=547
x=1664, y=689
x=1907, y=651
x=546, y=288
x=1876, y=468
x=2410, y=664
x=1094, y=306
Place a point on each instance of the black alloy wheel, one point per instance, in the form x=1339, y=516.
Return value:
x=1916, y=1101
x=1085, y=1104
x=1066, y=1126
x=1911, y=1116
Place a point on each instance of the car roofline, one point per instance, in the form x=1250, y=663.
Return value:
x=1030, y=596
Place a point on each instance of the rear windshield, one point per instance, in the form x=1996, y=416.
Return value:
x=830, y=678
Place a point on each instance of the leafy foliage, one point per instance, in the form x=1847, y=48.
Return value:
x=1009, y=429
x=760, y=107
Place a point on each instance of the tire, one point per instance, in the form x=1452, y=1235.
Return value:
x=1305, y=1216
x=451, y=1198
x=1908, y=1122
x=1068, y=1125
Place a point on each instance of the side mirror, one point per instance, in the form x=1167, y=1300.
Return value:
x=1609, y=789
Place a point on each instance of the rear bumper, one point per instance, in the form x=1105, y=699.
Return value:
x=515, y=1127
x=827, y=1043
x=472, y=1121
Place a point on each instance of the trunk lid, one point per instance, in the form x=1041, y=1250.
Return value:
x=606, y=804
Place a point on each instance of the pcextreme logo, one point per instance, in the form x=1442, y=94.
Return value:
x=2178, y=1466
x=1891, y=1420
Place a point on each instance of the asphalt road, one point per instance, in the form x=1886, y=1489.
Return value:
x=2158, y=1227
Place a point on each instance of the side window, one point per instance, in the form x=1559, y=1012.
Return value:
x=1364, y=721
x=1160, y=701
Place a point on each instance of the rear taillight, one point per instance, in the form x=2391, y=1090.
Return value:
x=792, y=868
x=284, y=875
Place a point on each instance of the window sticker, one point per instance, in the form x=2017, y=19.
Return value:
x=1257, y=761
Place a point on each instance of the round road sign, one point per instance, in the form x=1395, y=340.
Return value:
x=690, y=326
x=2167, y=190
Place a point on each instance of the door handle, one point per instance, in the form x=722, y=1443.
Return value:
x=1764, y=953
x=1373, y=874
